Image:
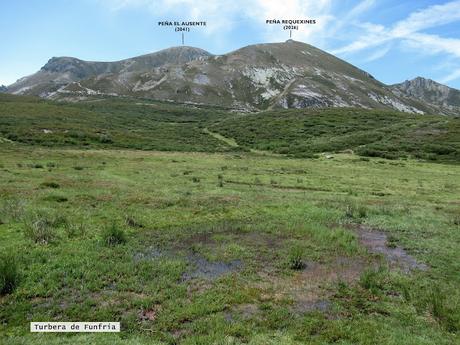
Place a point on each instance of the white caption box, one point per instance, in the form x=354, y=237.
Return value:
x=85, y=327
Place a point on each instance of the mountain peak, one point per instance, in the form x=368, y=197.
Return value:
x=426, y=83
x=430, y=91
x=289, y=74
x=60, y=64
x=422, y=80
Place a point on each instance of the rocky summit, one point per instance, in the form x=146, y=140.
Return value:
x=257, y=77
x=431, y=92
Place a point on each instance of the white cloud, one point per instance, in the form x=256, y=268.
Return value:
x=223, y=15
x=427, y=18
x=408, y=29
x=378, y=54
x=434, y=44
x=219, y=14
x=361, y=8
x=375, y=36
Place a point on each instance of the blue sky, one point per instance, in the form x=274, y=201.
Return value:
x=393, y=40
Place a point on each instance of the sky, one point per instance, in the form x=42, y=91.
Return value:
x=393, y=40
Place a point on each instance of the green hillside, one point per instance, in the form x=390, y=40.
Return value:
x=148, y=125
x=114, y=123
x=375, y=133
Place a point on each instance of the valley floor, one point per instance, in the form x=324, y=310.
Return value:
x=230, y=248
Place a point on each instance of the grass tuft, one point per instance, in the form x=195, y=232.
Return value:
x=295, y=258
x=131, y=221
x=9, y=274
x=447, y=314
x=12, y=209
x=355, y=212
x=113, y=235
x=371, y=279
x=41, y=225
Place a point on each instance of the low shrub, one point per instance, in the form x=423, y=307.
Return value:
x=55, y=198
x=50, y=184
x=220, y=180
x=105, y=139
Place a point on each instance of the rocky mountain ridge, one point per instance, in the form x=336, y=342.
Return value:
x=257, y=77
x=431, y=92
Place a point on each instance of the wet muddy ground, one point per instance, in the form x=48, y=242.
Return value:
x=306, y=289
x=397, y=257
x=203, y=269
x=198, y=266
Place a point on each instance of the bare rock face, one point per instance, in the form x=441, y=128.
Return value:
x=257, y=77
x=431, y=92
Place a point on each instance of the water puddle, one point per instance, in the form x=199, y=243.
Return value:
x=211, y=270
x=150, y=253
x=308, y=306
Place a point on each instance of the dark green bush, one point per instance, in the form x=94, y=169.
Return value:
x=105, y=139
x=55, y=198
x=50, y=184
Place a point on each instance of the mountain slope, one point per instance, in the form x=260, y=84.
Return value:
x=124, y=122
x=257, y=77
x=431, y=92
x=62, y=71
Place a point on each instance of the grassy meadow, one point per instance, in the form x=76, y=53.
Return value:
x=237, y=244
